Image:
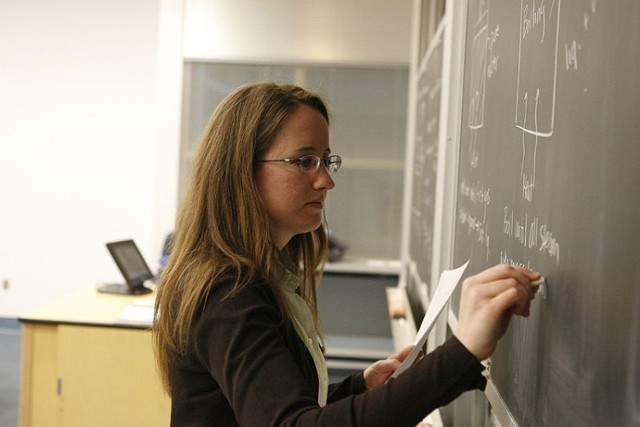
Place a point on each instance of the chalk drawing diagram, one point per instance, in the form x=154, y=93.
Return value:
x=477, y=79
x=536, y=86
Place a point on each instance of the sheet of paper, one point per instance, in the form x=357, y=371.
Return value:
x=144, y=302
x=448, y=282
x=135, y=314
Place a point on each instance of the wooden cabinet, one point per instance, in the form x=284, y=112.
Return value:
x=92, y=373
x=38, y=402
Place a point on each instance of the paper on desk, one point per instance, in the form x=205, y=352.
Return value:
x=448, y=282
x=139, y=313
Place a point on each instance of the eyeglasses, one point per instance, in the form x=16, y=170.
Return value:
x=311, y=162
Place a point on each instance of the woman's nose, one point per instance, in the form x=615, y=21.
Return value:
x=323, y=178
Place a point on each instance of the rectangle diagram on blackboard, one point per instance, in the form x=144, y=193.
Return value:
x=538, y=49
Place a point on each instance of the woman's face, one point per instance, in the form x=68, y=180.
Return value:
x=294, y=199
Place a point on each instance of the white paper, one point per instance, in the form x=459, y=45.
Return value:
x=144, y=302
x=448, y=283
x=134, y=314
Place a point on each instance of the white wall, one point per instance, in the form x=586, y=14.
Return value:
x=336, y=31
x=78, y=143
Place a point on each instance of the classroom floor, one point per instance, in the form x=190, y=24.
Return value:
x=9, y=371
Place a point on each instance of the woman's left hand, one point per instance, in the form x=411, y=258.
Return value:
x=379, y=372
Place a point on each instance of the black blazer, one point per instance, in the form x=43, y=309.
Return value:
x=248, y=367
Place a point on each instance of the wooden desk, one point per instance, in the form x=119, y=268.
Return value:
x=81, y=367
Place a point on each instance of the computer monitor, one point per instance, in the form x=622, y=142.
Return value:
x=133, y=267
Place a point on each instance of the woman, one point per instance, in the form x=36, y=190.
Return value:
x=236, y=329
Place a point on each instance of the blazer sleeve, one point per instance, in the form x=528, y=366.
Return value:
x=240, y=342
x=353, y=384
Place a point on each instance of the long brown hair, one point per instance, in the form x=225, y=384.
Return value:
x=222, y=227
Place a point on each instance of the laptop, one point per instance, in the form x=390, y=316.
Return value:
x=133, y=267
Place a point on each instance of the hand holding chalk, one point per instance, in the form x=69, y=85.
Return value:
x=488, y=301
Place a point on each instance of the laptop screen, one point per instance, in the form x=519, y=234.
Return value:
x=130, y=262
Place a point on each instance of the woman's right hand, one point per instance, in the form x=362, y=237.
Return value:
x=488, y=301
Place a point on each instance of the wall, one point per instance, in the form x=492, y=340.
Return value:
x=78, y=143
x=336, y=31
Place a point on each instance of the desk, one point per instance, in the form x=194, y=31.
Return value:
x=81, y=366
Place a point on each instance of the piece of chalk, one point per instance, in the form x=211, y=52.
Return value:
x=538, y=282
x=541, y=285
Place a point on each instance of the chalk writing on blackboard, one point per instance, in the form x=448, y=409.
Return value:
x=476, y=193
x=478, y=77
x=571, y=55
x=492, y=67
x=530, y=233
x=536, y=84
x=550, y=185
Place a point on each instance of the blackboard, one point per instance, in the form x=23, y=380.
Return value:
x=425, y=159
x=549, y=177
